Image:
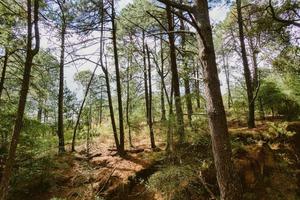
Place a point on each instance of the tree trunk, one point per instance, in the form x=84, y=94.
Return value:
x=3, y=74
x=40, y=112
x=247, y=73
x=171, y=122
x=150, y=121
x=111, y=108
x=227, y=77
x=119, y=88
x=162, y=79
x=175, y=77
x=186, y=79
x=101, y=106
x=261, y=109
x=60, y=129
x=82, y=106
x=197, y=88
x=104, y=69
x=145, y=79
x=128, y=77
x=89, y=130
x=30, y=53
x=229, y=185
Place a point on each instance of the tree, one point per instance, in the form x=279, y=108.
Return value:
x=119, y=89
x=247, y=73
x=60, y=127
x=86, y=79
x=229, y=185
x=150, y=117
x=175, y=77
x=30, y=53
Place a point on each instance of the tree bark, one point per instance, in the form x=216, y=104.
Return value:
x=247, y=73
x=104, y=69
x=150, y=121
x=227, y=77
x=229, y=185
x=145, y=79
x=40, y=111
x=3, y=74
x=30, y=53
x=162, y=79
x=81, y=107
x=118, y=80
x=128, y=77
x=197, y=88
x=186, y=79
x=60, y=129
x=175, y=77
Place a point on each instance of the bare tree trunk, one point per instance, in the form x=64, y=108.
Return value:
x=162, y=79
x=40, y=111
x=145, y=79
x=60, y=129
x=197, y=88
x=128, y=77
x=101, y=106
x=89, y=130
x=175, y=77
x=170, y=142
x=150, y=120
x=81, y=107
x=186, y=79
x=228, y=180
x=3, y=74
x=104, y=69
x=30, y=53
x=247, y=73
x=118, y=80
x=111, y=108
x=227, y=77
x=261, y=109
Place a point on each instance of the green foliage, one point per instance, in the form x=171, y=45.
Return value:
x=279, y=129
x=171, y=180
x=278, y=98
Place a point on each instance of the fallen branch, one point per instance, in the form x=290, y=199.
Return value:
x=206, y=187
x=110, y=175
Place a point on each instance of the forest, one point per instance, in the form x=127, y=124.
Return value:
x=149, y=99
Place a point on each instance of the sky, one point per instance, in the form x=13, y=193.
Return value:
x=48, y=40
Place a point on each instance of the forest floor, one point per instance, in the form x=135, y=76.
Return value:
x=266, y=157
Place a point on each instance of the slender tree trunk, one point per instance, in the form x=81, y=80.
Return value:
x=89, y=130
x=101, y=106
x=40, y=111
x=60, y=129
x=261, y=109
x=247, y=73
x=175, y=77
x=162, y=79
x=82, y=106
x=229, y=185
x=186, y=78
x=128, y=77
x=197, y=88
x=150, y=120
x=111, y=108
x=107, y=82
x=227, y=77
x=171, y=121
x=145, y=79
x=30, y=53
x=3, y=74
x=118, y=80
